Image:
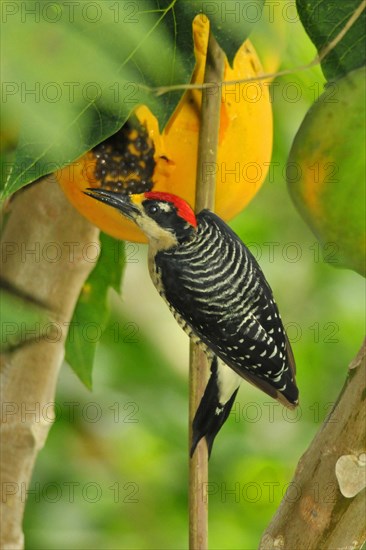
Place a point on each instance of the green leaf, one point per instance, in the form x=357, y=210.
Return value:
x=74, y=77
x=323, y=21
x=91, y=312
x=21, y=320
x=326, y=171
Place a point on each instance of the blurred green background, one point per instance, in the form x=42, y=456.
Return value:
x=114, y=470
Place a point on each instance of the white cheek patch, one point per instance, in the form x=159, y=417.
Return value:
x=148, y=226
x=156, y=233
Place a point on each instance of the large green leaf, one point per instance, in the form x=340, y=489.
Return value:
x=91, y=312
x=323, y=21
x=326, y=171
x=72, y=72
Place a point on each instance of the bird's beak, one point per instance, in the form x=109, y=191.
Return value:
x=124, y=203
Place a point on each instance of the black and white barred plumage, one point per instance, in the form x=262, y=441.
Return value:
x=215, y=286
x=219, y=295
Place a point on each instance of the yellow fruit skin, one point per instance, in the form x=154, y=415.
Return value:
x=74, y=180
x=244, y=153
x=245, y=140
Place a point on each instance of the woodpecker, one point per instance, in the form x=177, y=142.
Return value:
x=219, y=295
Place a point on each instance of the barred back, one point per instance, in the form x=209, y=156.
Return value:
x=216, y=287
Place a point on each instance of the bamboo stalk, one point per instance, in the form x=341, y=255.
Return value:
x=199, y=368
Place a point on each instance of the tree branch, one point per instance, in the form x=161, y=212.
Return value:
x=325, y=505
x=199, y=368
x=41, y=223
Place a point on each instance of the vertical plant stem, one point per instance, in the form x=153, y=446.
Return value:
x=199, y=368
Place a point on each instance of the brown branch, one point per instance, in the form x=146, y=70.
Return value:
x=199, y=368
x=41, y=221
x=315, y=513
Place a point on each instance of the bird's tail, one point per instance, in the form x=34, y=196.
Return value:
x=212, y=411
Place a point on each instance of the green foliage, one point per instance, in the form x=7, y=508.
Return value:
x=75, y=80
x=91, y=312
x=323, y=21
x=114, y=470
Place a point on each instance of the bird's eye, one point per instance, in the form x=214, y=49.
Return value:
x=151, y=209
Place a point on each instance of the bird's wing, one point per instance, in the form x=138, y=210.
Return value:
x=219, y=293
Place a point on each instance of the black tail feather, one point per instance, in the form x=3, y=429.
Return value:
x=211, y=414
